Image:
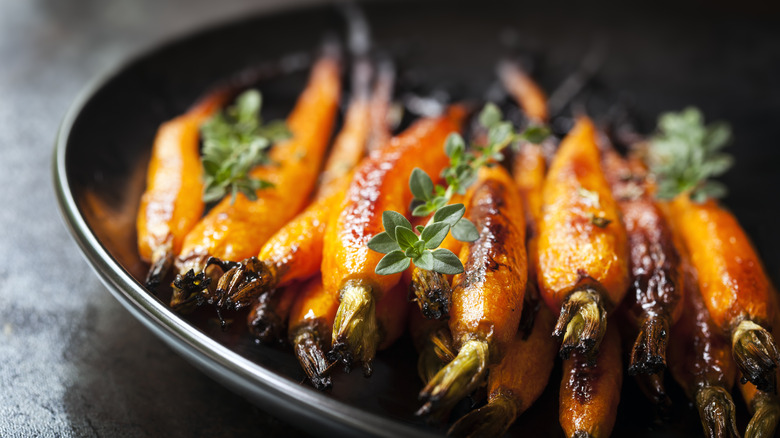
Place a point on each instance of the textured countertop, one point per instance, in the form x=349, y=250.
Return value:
x=72, y=361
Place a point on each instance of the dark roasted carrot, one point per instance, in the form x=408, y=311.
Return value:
x=267, y=318
x=380, y=184
x=583, y=251
x=311, y=322
x=590, y=393
x=515, y=383
x=654, y=301
x=235, y=231
x=733, y=284
x=173, y=201
x=487, y=299
x=700, y=361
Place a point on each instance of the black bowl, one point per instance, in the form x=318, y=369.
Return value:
x=725, y=61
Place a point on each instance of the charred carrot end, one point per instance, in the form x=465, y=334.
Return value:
x=243, y=282
x=308, y=347
x=188, y=290
x=766, y=415
x=457, y=379
x=432, y=292
x=582, y=324
x=491, y=420
x=648, y=356
x=756, y=355
x=355, y=330
x=717, y=412
x=163, y=260
x=267, y=319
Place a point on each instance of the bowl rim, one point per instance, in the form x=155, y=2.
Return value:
x=272, y=392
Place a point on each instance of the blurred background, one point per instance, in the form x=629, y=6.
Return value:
x=74, y=363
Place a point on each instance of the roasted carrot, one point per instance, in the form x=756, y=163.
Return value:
x=654, y=301
x=381, y=103
x=237, y=230
x=733, y=284
x=173, y=201
x=267, y=318
x=379, y=184
x=311, y=321
x=433, y=342
x=515, y=383
x=583, y=251
x=700, y=361
x=590, y=393
x=524, y=90
x=487, y=299
x=295, y=251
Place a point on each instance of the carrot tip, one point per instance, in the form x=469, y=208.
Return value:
x=766, y=415
x=355, y=329
x=717, y=412
x=308, y=347
x=492, y=419
x=756, y=355
x=456, y=380
x=582, y=324
x=188, y=290
x=159, y=269
x=648, y=355
x=652, y=386
x=432, y=293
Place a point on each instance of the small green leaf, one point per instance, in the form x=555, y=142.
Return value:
x=383, y=243
x=465, y=231
x=439, y=202
x=392, y=263
x=446, y=262
x=420, y=184
x=419, y=228
x=454, y=146
x=710, y=189
x=405, y=237
x=392, y=219
x=535, y=134
x=450, y=214
x=425, y=261
x=435, y=233
x=419, y=247
x=500, y=133
x=423, y=210
x=490, y=115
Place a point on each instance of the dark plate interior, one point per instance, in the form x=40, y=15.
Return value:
x=725, y=61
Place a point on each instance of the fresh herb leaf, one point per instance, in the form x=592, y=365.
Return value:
x=420, y=184
x=684, y=154
x=425, y=261
x=434, y=234
x=234, y=142
x=446, y=262
x=383, y=243
x=392, y=220
x=392, y=263
x=450, y=214
x=405, y=237
x=465, y=231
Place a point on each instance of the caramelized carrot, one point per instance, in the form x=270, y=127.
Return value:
x=525, y=91
x=433, y=341
x=295, y=251
x=267, y=318
x=234, y=231
x=381, y=99
x=733, y=284
x=515, y=383
x=487, y=299
x=583, y=251
x=311, y=321
x=173, y=201
x=700, y=361
x=380, y=184
x=590, y=393
x=654, y=301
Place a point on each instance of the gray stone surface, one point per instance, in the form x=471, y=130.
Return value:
x=72, y=361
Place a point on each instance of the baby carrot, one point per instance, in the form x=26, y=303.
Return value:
x=487, y=299
x=583, y=251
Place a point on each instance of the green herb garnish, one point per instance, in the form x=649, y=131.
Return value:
x=400, y=241
x=234, y=142
x=685, y=153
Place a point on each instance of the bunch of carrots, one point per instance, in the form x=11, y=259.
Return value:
x=576, y=251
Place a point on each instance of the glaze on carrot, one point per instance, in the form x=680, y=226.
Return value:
x=487, y=299
x=583, y=250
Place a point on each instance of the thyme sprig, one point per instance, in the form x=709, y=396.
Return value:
x=234, y=142
x=401, y=244
x=685, y=153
